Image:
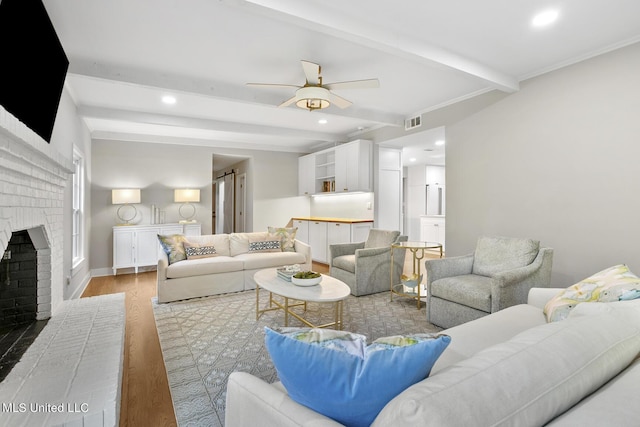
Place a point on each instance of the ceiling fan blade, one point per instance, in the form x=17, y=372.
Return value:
x=272, y=85
x=288, y=102
x=355, y=84
x=312, y=72
x=338, y=101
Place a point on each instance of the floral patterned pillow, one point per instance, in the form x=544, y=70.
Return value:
x=287, y=237
x=173, y=246
x=612, y=284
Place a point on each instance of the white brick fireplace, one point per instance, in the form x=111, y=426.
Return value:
x=33, y=176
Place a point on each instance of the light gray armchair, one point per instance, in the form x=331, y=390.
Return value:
x=497, y=275
x=366, y=266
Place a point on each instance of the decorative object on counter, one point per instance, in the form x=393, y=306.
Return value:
x=126, y=197
x=186, y=196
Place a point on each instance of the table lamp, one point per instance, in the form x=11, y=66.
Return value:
x=186, y=196
x=125, y=197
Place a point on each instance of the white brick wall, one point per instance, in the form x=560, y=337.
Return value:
x=33, y=176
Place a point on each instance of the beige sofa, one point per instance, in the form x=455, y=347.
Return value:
x=507, y=368
x=230, y=270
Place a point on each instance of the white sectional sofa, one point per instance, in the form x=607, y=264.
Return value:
x=231, y=269
x=508, y=368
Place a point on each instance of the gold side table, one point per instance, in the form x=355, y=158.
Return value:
x=417, y=251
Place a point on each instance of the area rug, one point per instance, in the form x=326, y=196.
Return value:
x=203, y=340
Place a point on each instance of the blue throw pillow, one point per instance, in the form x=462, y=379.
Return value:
x=336, y=374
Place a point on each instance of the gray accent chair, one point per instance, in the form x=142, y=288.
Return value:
x=366, y=266
x=497, y=275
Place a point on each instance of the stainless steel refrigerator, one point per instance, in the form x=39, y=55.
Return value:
x=435, y=200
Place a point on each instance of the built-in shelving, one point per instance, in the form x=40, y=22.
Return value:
x=341, y=169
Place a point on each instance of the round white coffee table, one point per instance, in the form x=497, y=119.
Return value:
x=329, y=289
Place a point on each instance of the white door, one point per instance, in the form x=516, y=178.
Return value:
x=241, y=204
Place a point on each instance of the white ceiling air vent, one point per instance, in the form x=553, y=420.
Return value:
x=412, y=122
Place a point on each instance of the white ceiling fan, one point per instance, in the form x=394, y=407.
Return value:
x=314, y=95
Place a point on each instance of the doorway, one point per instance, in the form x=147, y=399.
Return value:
x=231, y=203
x=225, y=203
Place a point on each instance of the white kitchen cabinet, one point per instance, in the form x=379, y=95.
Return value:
x=322, y=233
x=354, y=166
x=432, y=229
x=345, y=168
x=306, y=175
x=337, y=232
x=318, y=240
x=360, y=231
x=302, y=233
x=137, y=245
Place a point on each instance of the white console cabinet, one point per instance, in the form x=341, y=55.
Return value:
x=137, y=245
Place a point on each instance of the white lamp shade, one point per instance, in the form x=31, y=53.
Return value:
x=123, y=196
x=312, y=98
x=186, y=195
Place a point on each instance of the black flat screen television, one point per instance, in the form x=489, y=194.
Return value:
x=33, y=65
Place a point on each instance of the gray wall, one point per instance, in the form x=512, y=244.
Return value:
x=556, y=161
x=159, y=168
x=70, y=131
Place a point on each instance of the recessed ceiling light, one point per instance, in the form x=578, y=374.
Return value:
x=413, y=159
x=545, y=18
x=440, y=142
x=322, y=121
x=168, y=99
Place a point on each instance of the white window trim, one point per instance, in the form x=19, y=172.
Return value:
x=78, y=210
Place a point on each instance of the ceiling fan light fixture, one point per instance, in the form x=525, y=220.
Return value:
x=312, y=98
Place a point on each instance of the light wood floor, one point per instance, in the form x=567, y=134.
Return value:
x=146, y=400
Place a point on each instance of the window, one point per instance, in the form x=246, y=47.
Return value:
x=77, y=227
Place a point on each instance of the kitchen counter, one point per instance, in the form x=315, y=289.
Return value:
x=328, y=219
